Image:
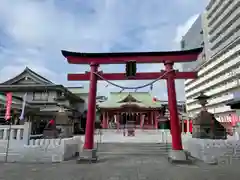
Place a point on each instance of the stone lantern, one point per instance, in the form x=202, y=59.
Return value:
x=202, y=100
x=64, y=123
x=62, y=118
x=205, y=126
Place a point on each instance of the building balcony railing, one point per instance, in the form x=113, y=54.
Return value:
x=217, y=90
x=212, y=102
x=219, y=110
x=213, y=83
x=219, y=70
x=212, y=11
x=211, y=65
x=214, y=110
x=230, y=17
x=220, y=13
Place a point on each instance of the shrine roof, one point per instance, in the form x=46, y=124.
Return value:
x=27, y=72
x=139, y=99
x=130, y=54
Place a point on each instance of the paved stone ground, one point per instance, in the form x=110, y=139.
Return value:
x=120, y=167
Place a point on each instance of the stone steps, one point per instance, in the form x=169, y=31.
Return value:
x=134, y=148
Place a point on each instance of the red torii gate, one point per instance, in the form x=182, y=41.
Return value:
x=168, y=58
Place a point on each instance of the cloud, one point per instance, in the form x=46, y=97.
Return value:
x=32, y=33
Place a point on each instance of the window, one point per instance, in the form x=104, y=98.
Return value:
x=40, y=96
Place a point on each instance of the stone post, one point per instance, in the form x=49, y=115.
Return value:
x=27, y=132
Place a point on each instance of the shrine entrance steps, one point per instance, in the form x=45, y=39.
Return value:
x=144, y=149
x=140, y=136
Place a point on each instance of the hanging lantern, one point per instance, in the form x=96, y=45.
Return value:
x=154, y=99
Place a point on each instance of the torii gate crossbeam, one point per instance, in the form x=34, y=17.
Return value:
x=139, y=76
x=168, y=58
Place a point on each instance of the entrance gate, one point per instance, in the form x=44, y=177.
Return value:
x=169, y=74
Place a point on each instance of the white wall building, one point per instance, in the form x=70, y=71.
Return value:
x=219, y=64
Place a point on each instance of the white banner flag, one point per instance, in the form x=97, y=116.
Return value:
x=23, y=106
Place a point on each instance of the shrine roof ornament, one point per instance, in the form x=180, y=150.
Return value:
x=140, y=57
x=129, y=98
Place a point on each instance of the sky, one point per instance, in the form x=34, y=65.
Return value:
x=33, y=33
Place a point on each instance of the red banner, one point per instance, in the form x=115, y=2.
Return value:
x=234, y=119
x=8, y=106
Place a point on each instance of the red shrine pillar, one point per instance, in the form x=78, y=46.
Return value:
x=91, y=113
x=156, y=120
x=142, y=116
x=104, y=122
x=152, y=119
x=107, y=120
x=172, y=103
x=118, y=121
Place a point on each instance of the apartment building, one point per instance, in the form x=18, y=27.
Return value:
x=218, y=31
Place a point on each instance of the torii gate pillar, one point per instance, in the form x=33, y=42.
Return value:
x=177, y=153
x=89, y=152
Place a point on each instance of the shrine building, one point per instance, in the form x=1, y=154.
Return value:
x=138, y=108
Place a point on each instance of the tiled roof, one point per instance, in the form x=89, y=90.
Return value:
x=141, y=99
x=29, y=72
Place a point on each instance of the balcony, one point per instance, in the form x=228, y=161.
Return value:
x=212, y=102
x=193, y=107
x=223, y=88
x=220, y=43
x=217, y=90
x=228, y=18
x=221, y=109
x=211, y=4
x=222, y=13
x=222, y=99
x=214, y=110
x=217, y=80
x=214, y=8
x=212, y=65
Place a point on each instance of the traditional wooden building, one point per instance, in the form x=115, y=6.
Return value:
x=44, y=96
x=125, y=107
x=139, y=108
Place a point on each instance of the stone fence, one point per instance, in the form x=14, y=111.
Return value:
x=15, y=143
x=214, y=151
x=51, y=150
x=21, y=149
x=15, y=133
